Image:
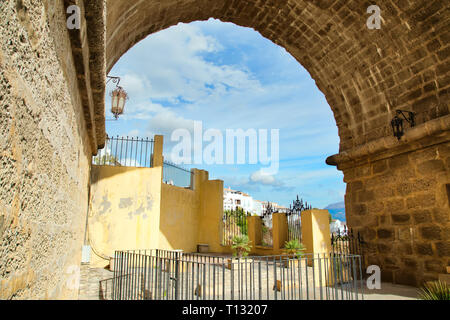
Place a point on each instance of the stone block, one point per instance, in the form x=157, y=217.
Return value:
x=434, y=266
x=443, y=248
x=444, y=278
x=422, y=216
x=423, y=249
x=379, y=167
x=430, y=233
x=385, y=234
x=400, y=218
x=406, y=278
x=399, y=162
x=405, y=234
x=359, y=209
x=410, y=263
x=421, y=201
x=431, y=167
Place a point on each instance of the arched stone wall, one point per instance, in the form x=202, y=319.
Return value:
x=52, y=119
x=365, y=74
x=398, y=191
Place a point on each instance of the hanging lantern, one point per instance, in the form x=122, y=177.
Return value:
x=118, y=99
x=397, y=122
x=397, y=127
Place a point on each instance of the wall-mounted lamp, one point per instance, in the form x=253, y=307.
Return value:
x=397, y=122
x=118, y=98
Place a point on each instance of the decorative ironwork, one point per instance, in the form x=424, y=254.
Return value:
x=294, y=218
x=397, y=122
x=266, y=225
x=125, y=152
x=347, y=243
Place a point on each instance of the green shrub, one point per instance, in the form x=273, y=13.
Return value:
x=294, y=247
x=435, y=290
x=241, y=246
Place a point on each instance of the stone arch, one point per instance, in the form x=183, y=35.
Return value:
x=396, y=190
x=364, y=74
x=52, y=119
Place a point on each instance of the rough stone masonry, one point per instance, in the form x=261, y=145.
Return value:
x=52, y=87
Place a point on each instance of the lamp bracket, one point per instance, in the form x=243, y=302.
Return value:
x=115, y=80
x=411, y=118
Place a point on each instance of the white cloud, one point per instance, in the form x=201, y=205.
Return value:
x=265, y=179
x=183, y=74
x=171, y=66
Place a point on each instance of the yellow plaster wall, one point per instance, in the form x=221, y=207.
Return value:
x=179, y=220
x=124, y=210
x=316, y=235
x=211, y=213
x=131, y=208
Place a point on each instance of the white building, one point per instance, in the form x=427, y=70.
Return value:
x=337, y=226
x=233, y=199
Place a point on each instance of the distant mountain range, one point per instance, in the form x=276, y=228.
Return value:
x=337, y=210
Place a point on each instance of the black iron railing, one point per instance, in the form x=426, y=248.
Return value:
x=171, y=275
x=267, y=225
x=126, y=152
x=348, y=242
x=177, y=176
x=234, y=223
x=294, y=219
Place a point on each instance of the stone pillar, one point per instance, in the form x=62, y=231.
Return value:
x=279, y=231
x=398, y=197
x=316, y=236
x=400, y=204
x=254, y=231
x=210, y=193
x=158, y=159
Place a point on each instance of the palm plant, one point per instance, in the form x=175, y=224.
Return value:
x=294, y=247
x=435, y=290
x=241, y=246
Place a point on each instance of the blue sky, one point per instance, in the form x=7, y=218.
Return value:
x=231, y=77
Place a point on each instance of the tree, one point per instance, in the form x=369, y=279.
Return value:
x=106, y=159
x=241, y=246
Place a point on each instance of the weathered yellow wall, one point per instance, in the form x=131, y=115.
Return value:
x=131, y=208
x=179, y=219
x=124, y=210
x=280, y=235
x=210, y=194
x=316, y=235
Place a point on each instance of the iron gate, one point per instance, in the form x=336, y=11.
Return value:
x=172, y=275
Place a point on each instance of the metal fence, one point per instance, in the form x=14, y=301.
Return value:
x=348, y=243
x=294, y=219
x=267, y=225
x=177, y=176
x=126, y=152
x=169, y=275
x=234, y=223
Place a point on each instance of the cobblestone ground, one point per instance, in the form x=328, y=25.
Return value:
x=209, y=284
x=216, y=283
x=89, y=282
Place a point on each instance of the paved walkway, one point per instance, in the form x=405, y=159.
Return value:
x=89, y=282
x=391, y=291
x=90, y=289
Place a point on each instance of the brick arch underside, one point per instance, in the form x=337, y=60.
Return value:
x=364, y=74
